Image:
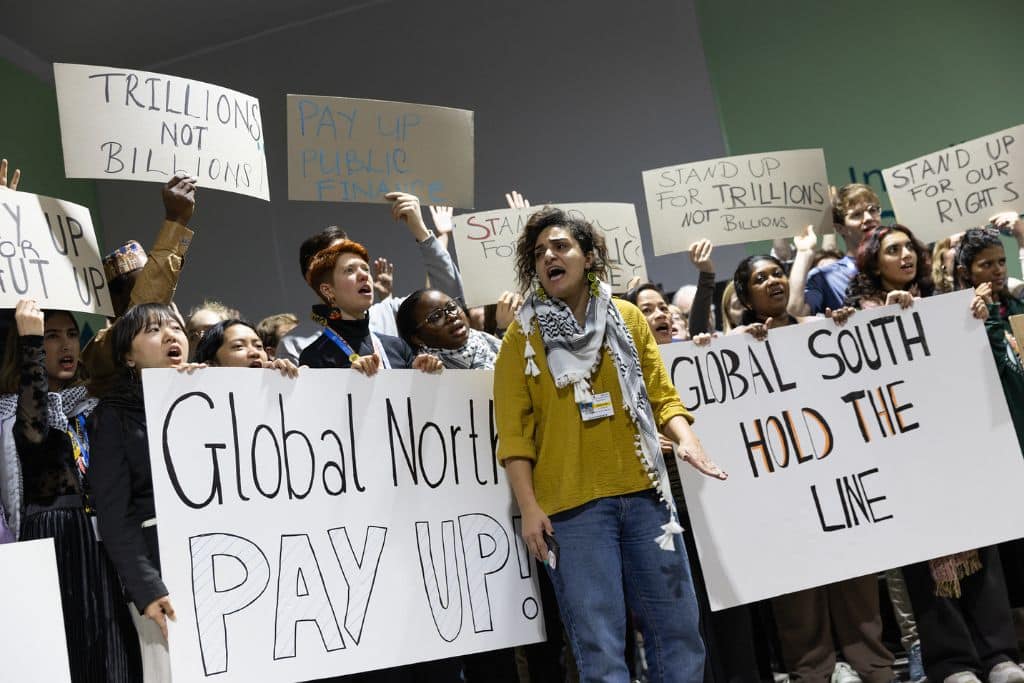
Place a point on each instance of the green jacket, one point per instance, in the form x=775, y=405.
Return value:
x=1008, y=364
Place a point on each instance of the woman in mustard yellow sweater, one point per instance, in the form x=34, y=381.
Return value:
x=580, y=396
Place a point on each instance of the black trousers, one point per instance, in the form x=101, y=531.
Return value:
x=971, y=633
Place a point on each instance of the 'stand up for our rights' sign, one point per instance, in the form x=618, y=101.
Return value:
x=334, y=523
x=349, y=150
x=486, y=245
x=846, y=443
x=737, y=199
x=48, y=252
x=135, y=125
x=959, y=187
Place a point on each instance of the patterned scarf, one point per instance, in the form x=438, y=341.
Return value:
x=62, y=405
x=573, y=354
x=478, y=353
x=947, y=571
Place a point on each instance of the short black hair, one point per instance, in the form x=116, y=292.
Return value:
x=405, y=317
x=213, y=337
x=973, y=242
x=318, y=242
x=134, y=321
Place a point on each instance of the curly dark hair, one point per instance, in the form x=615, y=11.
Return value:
x=741, y=283
x=632, y=295
x=591, y=242
x=867, y=284
x=974, y=241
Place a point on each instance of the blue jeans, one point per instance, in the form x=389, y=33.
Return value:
x=608, y=561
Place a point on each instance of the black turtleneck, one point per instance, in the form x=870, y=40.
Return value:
x=324, y=353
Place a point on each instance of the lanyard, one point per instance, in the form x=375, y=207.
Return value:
x=79, y=442
x=352, y=355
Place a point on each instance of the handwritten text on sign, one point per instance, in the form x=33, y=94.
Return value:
x=48, y=252
x=737, y=199
x=349, y=150
x=959, y=187
x=334, y=523
x=486, y=245
x=845, y=443
x=137, y=125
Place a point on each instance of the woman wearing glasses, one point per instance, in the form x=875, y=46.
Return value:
x=340, y=275
x=432, y=322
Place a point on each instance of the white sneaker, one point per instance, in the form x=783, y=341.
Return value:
x=1006, y=672
x=962, y=677
x=844, y=673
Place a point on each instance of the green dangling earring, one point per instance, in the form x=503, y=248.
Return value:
x=595, y=287
x=538, y=290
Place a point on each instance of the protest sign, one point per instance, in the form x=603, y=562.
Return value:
x=32, y=644
x=959, y=187
x=737, y=199
x=126, y=124
x=333, y=523
x=846, y=448
x=342, y=149
x=485, y=243
x=48, y=252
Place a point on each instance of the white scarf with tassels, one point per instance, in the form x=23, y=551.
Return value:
x=573, y=354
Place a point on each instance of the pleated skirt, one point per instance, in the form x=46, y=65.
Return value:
x=102, y=643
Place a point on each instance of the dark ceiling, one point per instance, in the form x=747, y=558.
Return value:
x=150, y=33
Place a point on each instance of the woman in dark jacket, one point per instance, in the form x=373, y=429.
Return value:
x=340, y=275
x=147, y=336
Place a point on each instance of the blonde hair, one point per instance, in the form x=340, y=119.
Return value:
x=728, y=293
x=944, y=281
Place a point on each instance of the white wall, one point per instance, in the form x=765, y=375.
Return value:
x=573, y=100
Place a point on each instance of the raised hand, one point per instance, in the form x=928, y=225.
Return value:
x=179, y=195
x=13, y=183
x=700, y=256
x=383, y=277
x=442, y=217
x=508, y=306
x=807, y=240
x=516, y=200
x=29, y=318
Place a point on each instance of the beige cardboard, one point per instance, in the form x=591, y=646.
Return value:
x=959, y=187
x=342, y=149
x=737, y=199
x=124, y=124
x=485, y=243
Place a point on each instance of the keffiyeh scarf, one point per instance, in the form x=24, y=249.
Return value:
x=478, y=353
x=573, y=354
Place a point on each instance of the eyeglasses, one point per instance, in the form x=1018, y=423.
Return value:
x=858, y=214
x=438, y=316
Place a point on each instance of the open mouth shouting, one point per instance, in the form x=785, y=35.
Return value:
x=67, y=363
x=366, y=290
x=555, y=273
x=175, y=353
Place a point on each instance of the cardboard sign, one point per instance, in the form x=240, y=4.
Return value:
x=959, y=187
x=847, y=443
x=33, y=648
x=334, y=523
x=48, y=252
x=125, y=124
x=486, y=245
x=737, y=199
x=342, y=149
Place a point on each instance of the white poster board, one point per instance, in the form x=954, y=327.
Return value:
x=959, y=187
x=33, y=648
x=846, y=448
x=737, y=199
x=48, y=252
x=485, y=243
x=342, y=149
x=334, y=523
x=125, y=124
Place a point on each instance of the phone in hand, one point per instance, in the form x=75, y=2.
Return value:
x=552, y=558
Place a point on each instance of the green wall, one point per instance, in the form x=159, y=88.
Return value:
x=873, y=83
x=30, y=140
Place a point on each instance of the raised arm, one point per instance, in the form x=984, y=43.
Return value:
x=159, y=277
x=805, y=244
x=438, y=263
x=31, y=422
x=700, y=310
